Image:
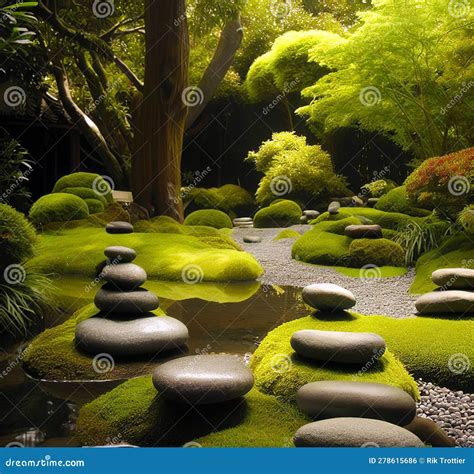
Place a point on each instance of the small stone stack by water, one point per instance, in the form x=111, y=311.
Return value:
x=125, y=325
x=455, y=295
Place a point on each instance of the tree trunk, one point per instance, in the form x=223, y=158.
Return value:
x=229, y=43
x=161, y=114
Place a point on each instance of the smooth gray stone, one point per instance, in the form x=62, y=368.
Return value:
x=124, y=276
x=334, y=346
x=454, y=278
x=243, y=220
x=311, y=214
x=371, y=202
x=355, y=433
x=131, y=302
x=304, y=219
x=127, y=337
x=452, y=301
x=333, y=399
x=334, y=207
x=373, y=231
x=327, y=296
x=118, y=254
x=119, y=227
x=252, y=239
x=203, y=379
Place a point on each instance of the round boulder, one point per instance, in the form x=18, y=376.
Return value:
x=453, y=301
x=364, y=231
x=454, y=278
x=129, y=337
x=431, y=433
x=334, y=207
x=355, y=433
x=252, y=239
x=131, y=302
x=328, y=297
x=124, y=276
x=203, y=379
x=333, y=399
x=119, y=227
x=335, y=346
x=120, y=254
x=311, y=214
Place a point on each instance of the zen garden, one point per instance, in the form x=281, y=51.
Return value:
x=237, y=223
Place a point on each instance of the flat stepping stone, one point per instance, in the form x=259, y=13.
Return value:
x=334, y=207
x=124, y=276
x=203, y=379
x=342, y=347
x=431, y=433
x=138, y=301
x=131, y=337
x=328, y=297
x=452, y=301
x=355, y=433
x=364, y=231
x=311, y=214
x=252, y=239
x=334, y=399
x=119, y=254
x=243, y=220
x=119, y=227
x=454, y=278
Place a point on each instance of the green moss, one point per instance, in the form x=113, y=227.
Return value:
x=378, y=252
x=455, y=251
x=86, y=193
x=17, y=236
x=163, y=256
x=288, y=234
x=94, y=205
x=379, y=187
x=338, y=226
x=59, y=207
x=424, y=345
x=135, y=410
x=209, y=218
x=283, y=213
x=382, y=272
x=396, y=200
x=84, y=180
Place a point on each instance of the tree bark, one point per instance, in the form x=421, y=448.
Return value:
x=161, y=114
x=229, y=43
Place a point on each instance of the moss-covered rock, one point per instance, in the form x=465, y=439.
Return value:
x=95, y=206
x=288, y=234
x=17, y=236
x=424, y=345
x=86, y=193
x=378, y=252
x=210, y=218
x=396, y=200
x=282, y=213
x=135, y=410
x=91, y=181
x=58, y=207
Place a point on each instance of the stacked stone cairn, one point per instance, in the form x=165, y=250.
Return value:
x=346, y=413
x=125, y=325
x=455, y=294
x=309, y=215
x=243, y=222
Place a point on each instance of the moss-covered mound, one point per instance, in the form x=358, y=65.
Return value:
x=91, y=181
x=425, y=345
x=378, y=252
x=455, y=251
x=209, y=218
x=164, y=256
x=135, y=410
x=94, y=200
x=59, y=207
x=230, y=198
x=282, y=213
x=288, y=234
x=396, y=200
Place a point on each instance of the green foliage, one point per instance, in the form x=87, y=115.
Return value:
x=92, y=181
x=17, y=237
x=466, y=219
x=209, y=218
x=16, y=27
x=379, y=252
x=396, y=200
x=280, y=214
x=296, y=170
x=378, y=188
x=59, y=207
x=421, y=344
x=405, y=72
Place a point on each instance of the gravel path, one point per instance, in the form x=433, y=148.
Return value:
x=387, y=296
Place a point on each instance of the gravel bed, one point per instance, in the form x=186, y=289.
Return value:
x=452, y=411
x=387, y=296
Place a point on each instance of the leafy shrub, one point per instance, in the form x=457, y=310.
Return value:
x=17, y=236
x=85, y=180
x=59, y=207
x=210, y=218
x=378, y=252
x=281, y=214
x=378, y=188
x=444, y=182
x=296, y=170
x=396, y=200
x=466, y=219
